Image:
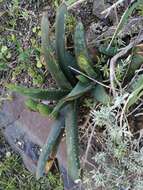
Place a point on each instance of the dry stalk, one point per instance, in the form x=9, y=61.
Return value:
x=108, y=10
x=75, y=4
x=88, y=145
x=86, y=126
x=90, y=78
x=136, y=109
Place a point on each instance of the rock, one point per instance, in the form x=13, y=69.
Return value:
x=98, y=7
x=26, y=132
x=8, y=154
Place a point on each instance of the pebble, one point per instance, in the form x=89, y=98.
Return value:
x=8, y=154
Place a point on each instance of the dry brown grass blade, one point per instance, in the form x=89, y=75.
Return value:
x=140, y=46
x=140, y=53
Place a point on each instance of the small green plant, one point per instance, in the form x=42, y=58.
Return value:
x=5, y=53
x=119, y=162
x=140, y=10
x=71, y=87
x=13, y=175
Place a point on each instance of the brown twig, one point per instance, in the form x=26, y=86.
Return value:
x=89, y=144
x=75, y=4
x=108, y=10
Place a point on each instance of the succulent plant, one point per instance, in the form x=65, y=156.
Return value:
x=71, y=88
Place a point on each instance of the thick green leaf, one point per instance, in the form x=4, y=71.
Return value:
x=100, y=94
x=72, y=141
x=71, y=60
x=81, y=52
x=82, y=79
x=137, y=92
x=49, y=55
x=31, y=104
x=39, y=107
x=3, y=67
x=79, y=90
x=125, y=18
x=50, y=146
x=62, y=56
x=43, y=94
x=44, y=109
x=135, y=64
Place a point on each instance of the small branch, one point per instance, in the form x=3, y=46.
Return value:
x=108, y=10
x=83, y=74
x=75, y=4
x=89, y=144
x=136, y=109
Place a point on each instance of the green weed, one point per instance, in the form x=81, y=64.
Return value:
x=14, y=176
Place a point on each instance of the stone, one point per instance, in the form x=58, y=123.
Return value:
x=27, y=131
x=98, y=7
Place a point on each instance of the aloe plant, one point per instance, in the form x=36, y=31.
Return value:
x=71, y=88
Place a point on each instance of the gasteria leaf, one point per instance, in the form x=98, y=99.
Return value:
x=100, y=94
x=53, y=66
x=137, y=92
x=50, y=147
x=43, y=94
x=44, y=109
x=72, y=141
x=79, y=90
x=135, y=64
x=82, y=79
x=63, y=56
x=81, y=52
x=31, y=104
